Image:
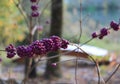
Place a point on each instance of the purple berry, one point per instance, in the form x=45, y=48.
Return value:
x=56, y=42
x=114, y=26
x=48, y=43
x=101, y=37
x=35, y=14
x=94, y=35
x=29, y=51
x=64, y=43
x=10, y=48
x=38, y=48
x=21, y=51
x=34, y=7
x=24, y=51
x=48, y=22
x=54, y=64
x=10, y=51
x=10, y=54
x=104, y=32
x=33, y=0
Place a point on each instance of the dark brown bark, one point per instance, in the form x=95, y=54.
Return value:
x=56, y=29
x=56, y=18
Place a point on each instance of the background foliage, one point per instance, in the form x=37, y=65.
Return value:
x=12, y=25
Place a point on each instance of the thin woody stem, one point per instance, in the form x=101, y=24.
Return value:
x=21, y=11
x=80, y=21
x=98, y=71
x=113, y=73
x=86, y=42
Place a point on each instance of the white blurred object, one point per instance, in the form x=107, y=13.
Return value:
x=92, y=50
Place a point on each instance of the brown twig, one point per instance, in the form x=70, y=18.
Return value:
x=49, y=58
x=113, y=73
x=97, y=68
x=86, y=42
x=21, y=11
x=80, y=21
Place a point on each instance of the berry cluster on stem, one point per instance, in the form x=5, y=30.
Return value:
x=10, y=51
x=34, y=8
x=38, y=47
x=105, y=31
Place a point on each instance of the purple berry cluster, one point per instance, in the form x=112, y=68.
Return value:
x=64, y=44
x=48, y=44
x=34, y=8
x=23, y=51
x=114, y=26
x=10, y=51
x=105, y=31
x=38, y=47
x=56, y=42
x=33, y=1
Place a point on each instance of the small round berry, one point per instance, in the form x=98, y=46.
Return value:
x=29, y=51
x=34, y=7
x=10, y=54
x=104, y=32
x=38, y=47
x=56, y=42
x=47, y=22
x=114, y=26
x=35, y=14
x=33, y=0
x=48, y=43
x=94, y=35
x=100, y=37
x=64, y=43
x=10, y=51
x=10, y=48
x=54, y=64
x=21, y=51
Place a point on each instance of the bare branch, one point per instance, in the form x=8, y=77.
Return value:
x=17, y=4
x=113, y=73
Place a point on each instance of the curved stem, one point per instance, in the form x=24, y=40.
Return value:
x=98, y=71
x=80, y=21
x=113, y=73
x=97, y=68
x=86, y=42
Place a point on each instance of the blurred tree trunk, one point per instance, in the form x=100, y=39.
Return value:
x=56, y=29
x=26, y=7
